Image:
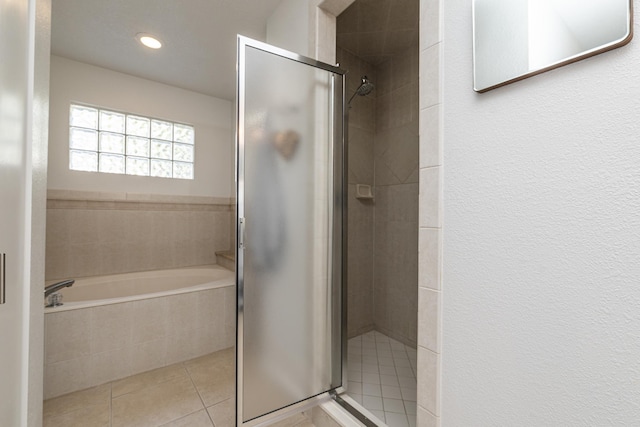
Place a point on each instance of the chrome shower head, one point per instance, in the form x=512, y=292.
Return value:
x=365, y=88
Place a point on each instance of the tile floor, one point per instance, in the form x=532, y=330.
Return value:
x=196, y=393
x=200, y=392
x=382, y=377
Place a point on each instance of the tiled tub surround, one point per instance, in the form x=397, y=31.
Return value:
x=85, y=347
x=93, y=234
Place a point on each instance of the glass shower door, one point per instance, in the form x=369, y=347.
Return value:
x=290, y=219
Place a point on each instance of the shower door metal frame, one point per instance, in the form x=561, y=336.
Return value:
x=338, y=230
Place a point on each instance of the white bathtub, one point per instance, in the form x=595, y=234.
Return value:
x=114, y=326
x=117, y=288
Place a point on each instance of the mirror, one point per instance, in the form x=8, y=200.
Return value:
x=516, y=39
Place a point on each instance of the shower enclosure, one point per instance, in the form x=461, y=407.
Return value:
x=291, y=232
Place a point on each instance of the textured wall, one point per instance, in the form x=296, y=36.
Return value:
x=542, y=240
x=396, y=152
x=96, y=237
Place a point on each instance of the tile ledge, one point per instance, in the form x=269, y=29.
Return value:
x=55, y=194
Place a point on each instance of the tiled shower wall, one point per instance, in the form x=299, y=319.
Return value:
x=396, y=162
x=382, y=234
x=361, y=134
x=430, y=214
x=90, y=234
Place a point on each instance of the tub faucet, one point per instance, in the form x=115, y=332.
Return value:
x=48, y=290
x=51, y=292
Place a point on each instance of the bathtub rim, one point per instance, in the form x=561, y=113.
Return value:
x=215, y=284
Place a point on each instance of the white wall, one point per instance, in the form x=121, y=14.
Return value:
x=306, y=27
x=541, y=311
x=288, y=26
x=212, y=118
x=38, y=209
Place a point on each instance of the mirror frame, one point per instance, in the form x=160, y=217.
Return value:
x=578, y=57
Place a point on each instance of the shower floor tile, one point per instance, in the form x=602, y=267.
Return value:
x=382, y=377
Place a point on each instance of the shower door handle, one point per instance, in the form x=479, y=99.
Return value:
x=241, y=222
x=2, y=278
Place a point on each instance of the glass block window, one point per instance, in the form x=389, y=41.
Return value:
x=113, y=142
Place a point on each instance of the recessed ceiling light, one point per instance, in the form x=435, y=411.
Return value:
x=149, y=41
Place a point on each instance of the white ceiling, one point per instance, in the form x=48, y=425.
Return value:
x=199, y=38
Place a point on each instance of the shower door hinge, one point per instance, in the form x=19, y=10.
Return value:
x=241, y=222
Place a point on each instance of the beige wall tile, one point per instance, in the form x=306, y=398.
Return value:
x=68, y=376
x=111, y=365
x=431, y=137
x=400, y=110
x=150, y=319
x=429, y=319
x=113, y=341
x=426, y=418
x=111, y=327
x=383, y=81
x=383, y=111
x=230, y=314
x=360, y=156
x=430, y=212
x=384, y=175
x=402, y=66
x=429, y=380
x=430, y=209
x=393, y=250
x=85, y=241
x=149, y=355
x=430, y=76
x=401, y=156
x=396, y=276
x=360, y=263
x=414, y=178
x=430, y=258
x=183, y=313
x=67, y=335
x=430, y=25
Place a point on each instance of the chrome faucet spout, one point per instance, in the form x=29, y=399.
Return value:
x=48, y=290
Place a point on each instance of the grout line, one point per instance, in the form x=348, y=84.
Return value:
x=184, y=416
x=209, y=415
x=195, y=387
